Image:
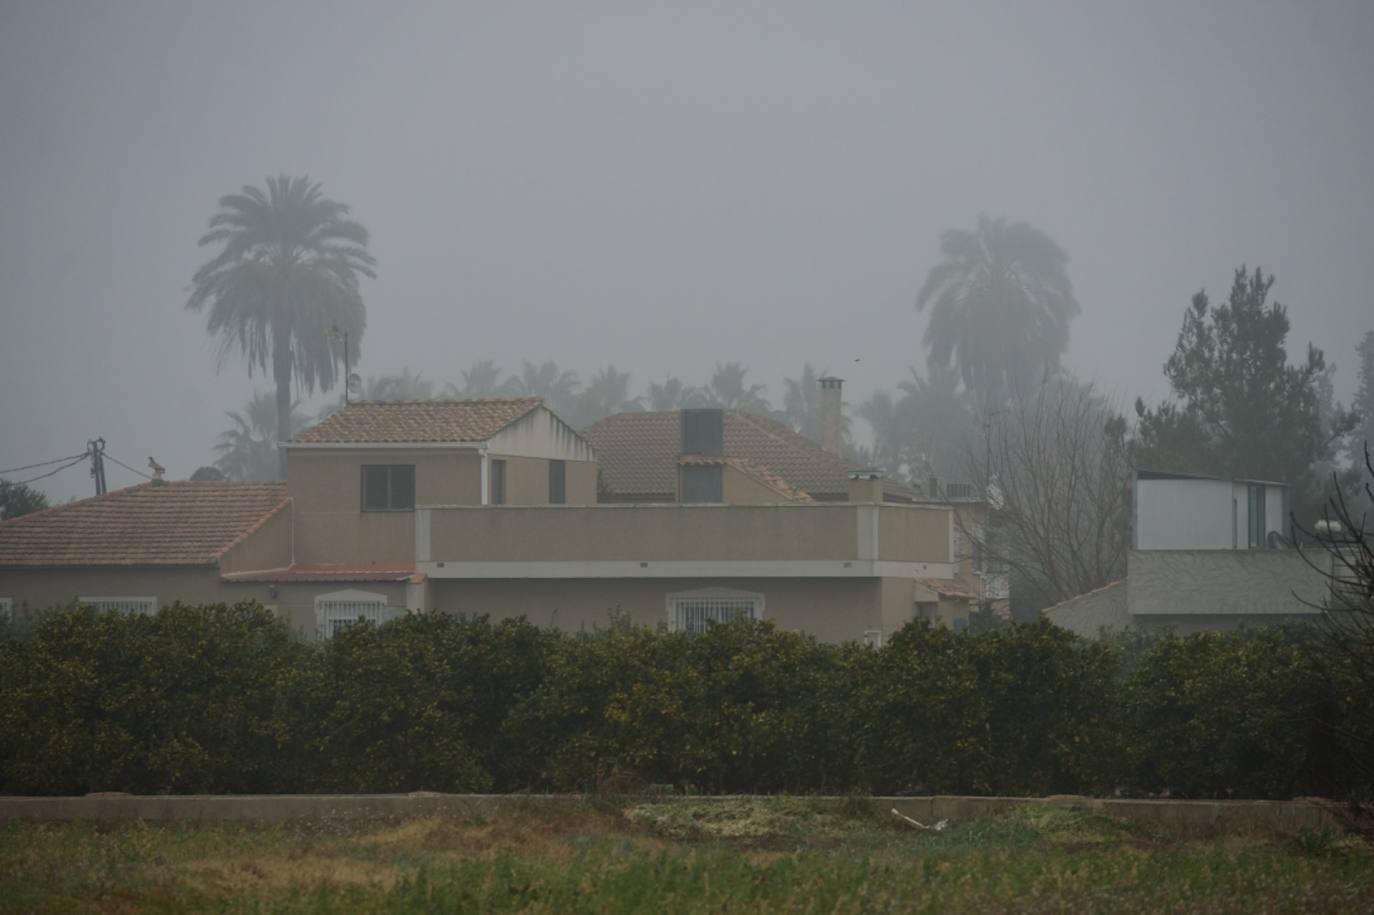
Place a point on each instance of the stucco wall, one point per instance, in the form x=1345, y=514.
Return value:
x=1219, y=582
x=659, y=532
x=39, y=589
x=834, y=610
x=914, y=533
x=739, y=488
x=326, y=487
x=268, y=547
x=527, y=480
x=898, y=599
x=541, y=434
x=582, y=483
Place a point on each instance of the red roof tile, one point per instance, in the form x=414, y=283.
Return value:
x=175, y=523
x=638, y=454
x=312, y=572
x=422, y=421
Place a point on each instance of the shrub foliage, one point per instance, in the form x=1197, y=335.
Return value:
x=225, y=699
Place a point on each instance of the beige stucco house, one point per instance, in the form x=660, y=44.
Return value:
x=499, y=507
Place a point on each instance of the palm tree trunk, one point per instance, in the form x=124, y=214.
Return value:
x=281, y=372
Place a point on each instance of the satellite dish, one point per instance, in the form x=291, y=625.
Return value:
x=355, y=383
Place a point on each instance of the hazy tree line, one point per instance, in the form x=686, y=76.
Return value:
x=989, y=400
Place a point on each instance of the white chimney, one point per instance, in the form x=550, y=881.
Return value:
x=832, y=425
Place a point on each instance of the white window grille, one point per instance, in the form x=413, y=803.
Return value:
x=873, y=638
x=344, y=608
x=693, y=611
x=120, y=604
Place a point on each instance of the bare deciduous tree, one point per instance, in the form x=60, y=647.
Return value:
x=1055, y=467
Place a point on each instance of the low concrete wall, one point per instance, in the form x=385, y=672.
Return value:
x=1177, y=816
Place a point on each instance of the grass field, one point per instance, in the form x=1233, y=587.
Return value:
x=711, y=856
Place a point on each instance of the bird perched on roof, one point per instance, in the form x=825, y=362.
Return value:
x=158, y=469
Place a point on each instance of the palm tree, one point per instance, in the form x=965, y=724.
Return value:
x=1000, y=305
x=728, y=390
x=885, y=417
x=669, y=395
x=287, y=273
x=482, y=380
x=557, y=388
x=608, y=392
x=939, y=416
x=248, y=448
x=406, y=386
x=801, y=402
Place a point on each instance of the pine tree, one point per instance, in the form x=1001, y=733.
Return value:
x=1363, y=404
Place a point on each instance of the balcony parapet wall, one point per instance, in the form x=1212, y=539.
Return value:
x=839, y=540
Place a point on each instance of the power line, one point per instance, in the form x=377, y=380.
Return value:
x=42, y=476
x=69, y=457
x=126, y=466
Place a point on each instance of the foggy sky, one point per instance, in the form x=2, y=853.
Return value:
x=659, y=186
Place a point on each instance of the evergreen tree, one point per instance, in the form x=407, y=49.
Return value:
x=17, y=499
x=1239, y=408
x=1363, y=405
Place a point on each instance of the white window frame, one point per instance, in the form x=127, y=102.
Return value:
x=128, y=604
x=708, y=600
x=873, y=638
x=332, y=610
x=6, y=608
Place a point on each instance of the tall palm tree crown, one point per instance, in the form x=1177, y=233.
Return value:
x=286, y=276
x=1000, y=305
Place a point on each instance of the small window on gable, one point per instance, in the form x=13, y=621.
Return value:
x=120, y=604
x=388, y=487
x=498, y=482
x=558, y=482
x=701, y=483
x=335, y=611
x=694, y=611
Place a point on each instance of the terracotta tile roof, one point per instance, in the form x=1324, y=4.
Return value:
x=1107, y=587
x=320, y=572
x=948, y=589
x=638, y=454
x=744, y=465
x=425, y=421
x=176, y=523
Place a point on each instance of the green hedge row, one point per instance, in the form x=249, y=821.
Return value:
x=225, y=699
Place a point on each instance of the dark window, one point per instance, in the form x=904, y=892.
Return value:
x=701, y=483
x=1257, y=521
x=558, y=482
x=701, y=432
x=498, y=482
x=388, y=487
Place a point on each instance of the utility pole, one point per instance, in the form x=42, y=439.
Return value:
x=95, y=448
